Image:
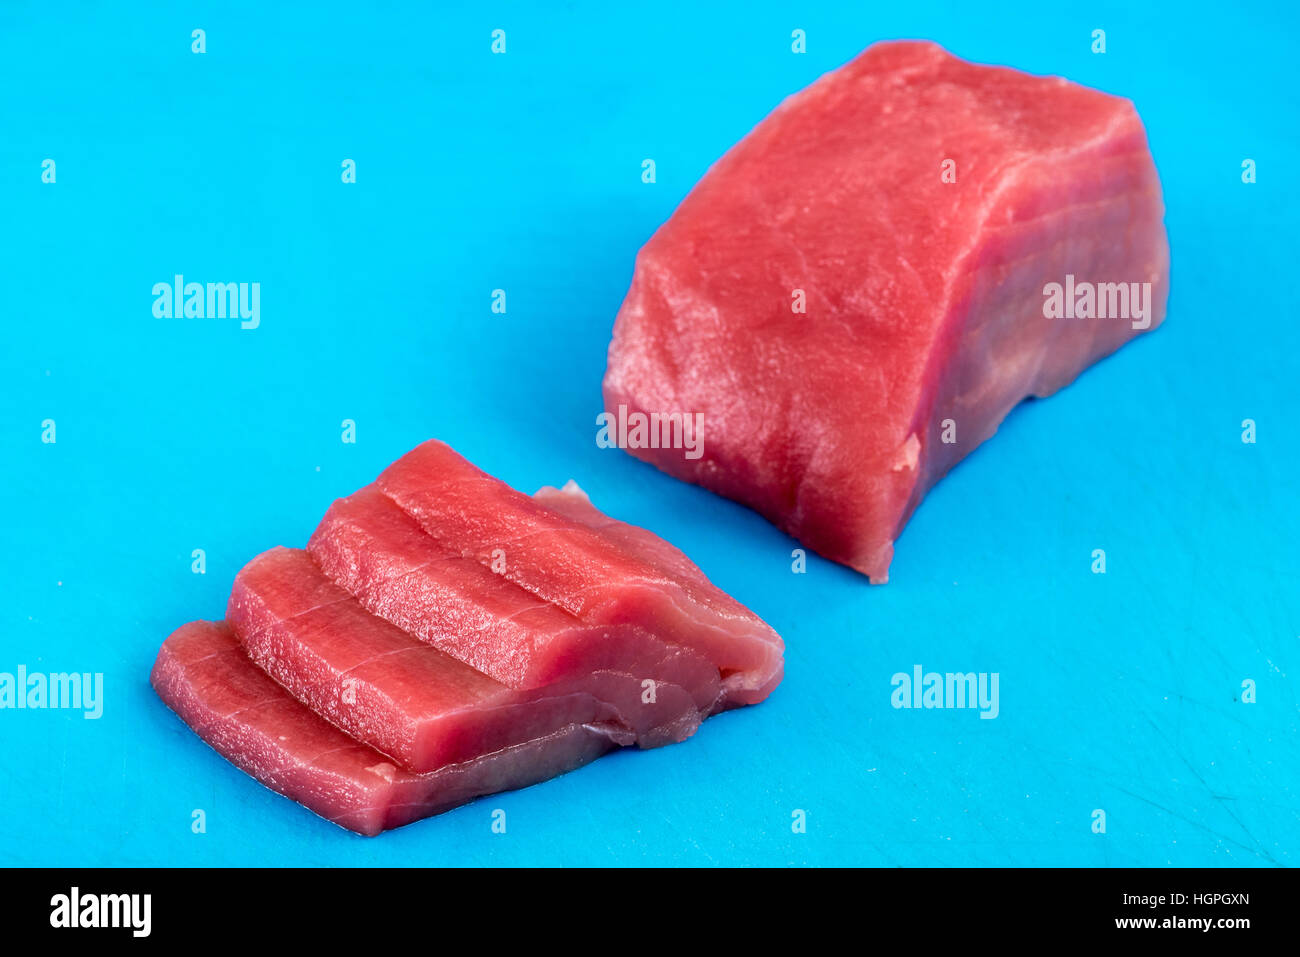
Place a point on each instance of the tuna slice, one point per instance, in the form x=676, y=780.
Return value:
x=378, y=553
x=856, y=294
x=417, y=705
x=205, y=677
x=603, y=578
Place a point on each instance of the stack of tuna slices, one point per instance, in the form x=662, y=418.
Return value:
x=444, y=636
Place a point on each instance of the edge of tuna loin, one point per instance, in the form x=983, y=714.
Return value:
x=857, y=293
x=204, y=676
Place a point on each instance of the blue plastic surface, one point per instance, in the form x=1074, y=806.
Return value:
x=1120, y=692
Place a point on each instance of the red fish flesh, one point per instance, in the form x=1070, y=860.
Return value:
x=857, y=293
x=384, y=687
x=602, y=577
x=205, y=677
x=395, y=669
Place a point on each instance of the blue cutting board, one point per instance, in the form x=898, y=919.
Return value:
x=1122, y=692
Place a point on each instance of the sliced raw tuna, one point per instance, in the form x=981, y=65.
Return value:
x=205, y=677
x=419, y=706
x=572, y=502
x=603, y=579
x=380, y=554
x=857, y=293
x=387, y=673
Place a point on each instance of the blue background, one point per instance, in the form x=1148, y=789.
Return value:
x=475, y=172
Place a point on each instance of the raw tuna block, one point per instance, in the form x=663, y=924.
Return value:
x=420, y=707
x=205, y=677
x=859, y=291
x=602, y=579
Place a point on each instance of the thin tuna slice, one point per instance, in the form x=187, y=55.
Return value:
x=204, y=676
x=573, y=503
x=378, y=553
x=596, y=577
x=857, y=293
x=420, y=707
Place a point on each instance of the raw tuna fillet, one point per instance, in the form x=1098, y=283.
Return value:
x=857, y=293
x=205, y=677
x=600, y=578
x=420, y=707
x=378, y=553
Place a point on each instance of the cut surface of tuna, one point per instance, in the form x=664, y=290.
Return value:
x=600, y=578
x=420, y=707
x=378, y=553
x=203, y=675
x=857, y=293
